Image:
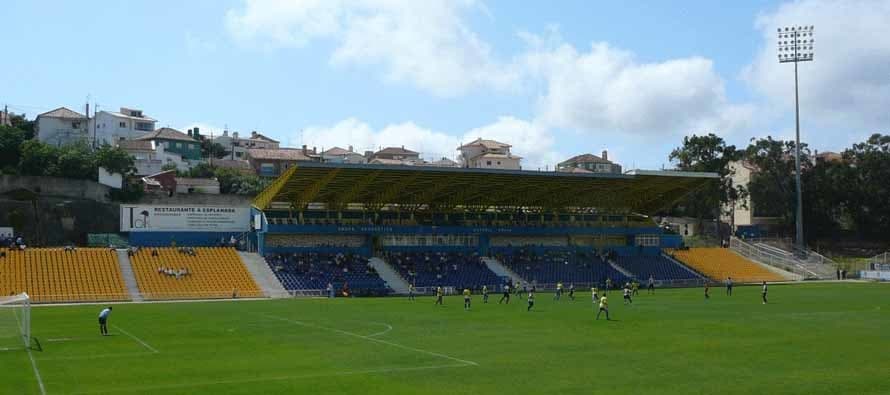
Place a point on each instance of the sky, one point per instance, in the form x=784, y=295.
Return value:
x=554, y=79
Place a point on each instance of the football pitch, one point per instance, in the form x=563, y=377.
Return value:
x=811, y=339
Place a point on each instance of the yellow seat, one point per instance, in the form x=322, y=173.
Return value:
x=53, y=275
x=720, y=263
x=213, y=273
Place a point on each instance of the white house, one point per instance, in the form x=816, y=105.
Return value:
x=488, y=154
x=127, y=124
x=62, y=127
x=150, y=156
x=340, y=155
x=237, y=146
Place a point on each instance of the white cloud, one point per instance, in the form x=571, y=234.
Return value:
x=847, y=84
x=534, y=143
x=606, y=90
x=426, y=43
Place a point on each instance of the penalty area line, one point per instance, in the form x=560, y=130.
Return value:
x=372, y=339
x=155, y=388
x=144, y=344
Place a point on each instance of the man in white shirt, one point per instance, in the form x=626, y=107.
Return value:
x=103, y=320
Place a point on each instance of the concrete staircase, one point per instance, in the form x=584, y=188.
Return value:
x=389, y=275
x=502, y=270
x=123, y=260
x=263, y=275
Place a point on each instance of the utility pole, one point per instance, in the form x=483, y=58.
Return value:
x=796, y=45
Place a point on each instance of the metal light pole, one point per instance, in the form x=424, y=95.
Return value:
x=795, y=44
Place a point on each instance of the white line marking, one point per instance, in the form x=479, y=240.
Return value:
x=136, y=339
x=63, y=339
x=96, y=356
x=435, y=354
x=388, y=328
x=31, y=357
x=36, y=372
x=266, y=379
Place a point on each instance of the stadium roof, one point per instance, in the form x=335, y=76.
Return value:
x=445, y=188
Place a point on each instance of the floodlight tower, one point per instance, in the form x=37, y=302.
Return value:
x=795, y=44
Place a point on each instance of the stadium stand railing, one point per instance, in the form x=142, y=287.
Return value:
x=213, y=273
x=56, y=275
x=773, y=256
x=719, y=263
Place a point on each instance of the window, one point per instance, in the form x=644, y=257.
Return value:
x=75, y=125
x=488, y=163
x=267, y=169
x=144, y=126
x=237, y=154
x=499, y=162
x=122, y=124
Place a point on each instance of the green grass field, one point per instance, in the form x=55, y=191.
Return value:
x=811, y=339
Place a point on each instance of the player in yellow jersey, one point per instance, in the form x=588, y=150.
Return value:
x=467, y=294
x=439, y=295
x=558, y=293
x=604, y=306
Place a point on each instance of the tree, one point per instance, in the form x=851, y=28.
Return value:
x=115, y=160
x=773, y=186
x=38, y=159
x=23, y=124
x=76, y=161
x=11, y=139
x=870, y=186
x=209, y=148
x=708, y=153
x=168, y=166
x=202, y=170
x=234, y=182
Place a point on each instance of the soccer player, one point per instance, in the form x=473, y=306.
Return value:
x=438, y=295
x=604, y=306
x=558, y=293
x=608, y=286
x=531, y=299
x=572, y=291
x=729, y=286
x=627, y=299
x=103, y=320
x=411, y=291
x=484, y=294
x=707, y=289
x=506, y=294
x=763, y=293
x=635, y=287
x=651, y=288
x=593, y=294
x=467, y=294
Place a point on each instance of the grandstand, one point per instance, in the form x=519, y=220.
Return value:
x=433, y=225
x=720, y=263
x=57, y=275
x=657, y=266
x=212, y=273
x=314, y=270
x=550, y=266
x=450, y=269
